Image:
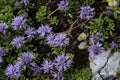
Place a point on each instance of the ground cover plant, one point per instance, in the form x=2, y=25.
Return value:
x=39, y=38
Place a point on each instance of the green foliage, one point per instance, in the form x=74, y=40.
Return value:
x=83, y=74
x=41, y=14
x=57, y=50
x=53, y=20
x=6, y=14
x=6, y=2
x=42, y=77
x=73, y=6
x=85, y=2
x=2, y=75
x=116, y=12
x=103, y=25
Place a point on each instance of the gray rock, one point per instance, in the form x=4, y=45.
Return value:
x=105, y=66
x=82, y=45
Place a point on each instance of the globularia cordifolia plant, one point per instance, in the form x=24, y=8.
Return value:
x=38, y=38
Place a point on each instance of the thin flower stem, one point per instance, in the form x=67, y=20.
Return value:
x=70, y=28
x=81, y=24
x=54, y=11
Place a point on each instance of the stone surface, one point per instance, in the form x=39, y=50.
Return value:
x=82, y=36
x=82, y=45
x=105, y=66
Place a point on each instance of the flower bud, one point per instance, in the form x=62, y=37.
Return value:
x=82, y=36
x=112, y=3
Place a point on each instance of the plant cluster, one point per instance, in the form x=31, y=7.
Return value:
x=38, y=38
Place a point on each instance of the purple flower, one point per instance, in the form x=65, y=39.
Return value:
x=2, y=53
x=26, y=58
x=44, y=30
x=57, y=40
x=58, y=75
x=86, y=12
x=13, y=71
x=30, y=32
x=63, y=4
x=19, y=3
x=95, y=49
x=61, y=40
x=16, y=4
x=36, y=68
x=3, y=27
x=114, y=44
x=25, y=2
x=18, y=41
x=50, y=39
x=94, y=38
x=18, y=22
x=108, y=12
x=47, y=66
x=62, y=62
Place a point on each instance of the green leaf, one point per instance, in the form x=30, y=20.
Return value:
x=41, y=14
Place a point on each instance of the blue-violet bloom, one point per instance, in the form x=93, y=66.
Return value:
x=18, y=23
x=63, y=4
x=95, y=50
x=18, y=41
x=30, y=32
x=61, y=40
x=94, y=38
x=13, y=71
x=86, y=12
x=43, y=30
x=36, y=68
x=62, y=62
x=26, y=59
x=3, y=27
x=58, y=75
x=25, y=2
x=2, y=53
x=114, y=44
x=47, y=66
x=50, y=39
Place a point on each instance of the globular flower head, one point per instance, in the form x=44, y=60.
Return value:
x=21, y=2
x=58, y=75
x=94, y=38
x=18, y=23
x=108, y=12
x=57, y=39
x=50, y=39
x=36, y=68
x=63, y=4
x=26, y=58
x=114, y=44
x=18, y=41
x=86, y=12
x=44, y=30
x=25, y=2
x=61, y=40
x=47, y=66
x=95, y=50
x=2, y=53
x=62, y=62
x=13, y=71
x=30, y=32
x=3, y=27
